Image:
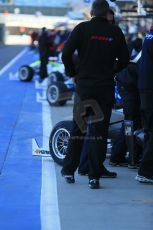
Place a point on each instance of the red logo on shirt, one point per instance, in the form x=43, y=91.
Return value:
x=101, y=38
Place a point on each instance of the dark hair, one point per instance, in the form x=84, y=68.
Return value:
x=99, y=8
x=44, y=29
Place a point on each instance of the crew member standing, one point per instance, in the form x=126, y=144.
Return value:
x=44, y=49
x=83, y=166
x=99, y=44
x=145, y=172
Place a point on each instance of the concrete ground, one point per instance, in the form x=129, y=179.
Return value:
x=33, y=195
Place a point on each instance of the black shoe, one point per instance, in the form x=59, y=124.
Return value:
x=94, y=184
x=108, y=174
x=144, y=179
x=69, y=178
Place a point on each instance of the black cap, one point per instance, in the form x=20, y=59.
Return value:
x=99, y=8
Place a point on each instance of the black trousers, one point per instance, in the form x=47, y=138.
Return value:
x=146, y=167
x=131, y=110
x=43, y=67
x=131, y=106
x=97, y=103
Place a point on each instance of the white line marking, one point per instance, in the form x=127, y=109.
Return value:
x=41, y=97
x=42, y=85
x=5, y=68
x=50, y=219
x=13, y=77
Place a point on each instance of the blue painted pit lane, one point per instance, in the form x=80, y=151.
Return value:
x=20, y=172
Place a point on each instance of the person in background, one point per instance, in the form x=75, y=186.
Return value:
x=145, y=85
x=127, y=81
x=99, y=44
x=136, y=46
x=52, y=52
x=34, y=39
x=44, y=50
x=128, y=90
x=57, y=41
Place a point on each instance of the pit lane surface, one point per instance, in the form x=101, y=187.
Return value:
x=33, y=195
x=8, y=52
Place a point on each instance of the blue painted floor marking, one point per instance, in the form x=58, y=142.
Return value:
x=20, y=179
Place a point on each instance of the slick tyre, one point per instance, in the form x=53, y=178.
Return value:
x=57, y=94
x=58, y=141
x=25, y=73
x=55, y=77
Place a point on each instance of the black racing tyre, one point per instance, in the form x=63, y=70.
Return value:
x=25, y=73
x=57, y=94
x=58, y=141
x=54, y=77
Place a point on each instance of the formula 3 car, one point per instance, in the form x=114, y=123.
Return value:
x=27, y=72
x=60, y=135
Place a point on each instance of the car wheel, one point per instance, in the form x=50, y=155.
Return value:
x=58, y=141
x=54, y=77
x=25, y=73
x=57, y=94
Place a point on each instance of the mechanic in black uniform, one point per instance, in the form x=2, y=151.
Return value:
x=145, y=83
x=83, y=166
x=127, y=81
x=44, y=49
x=99, y=44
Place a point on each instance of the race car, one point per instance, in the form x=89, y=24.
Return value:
x=60, y=134
x=27, y=72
